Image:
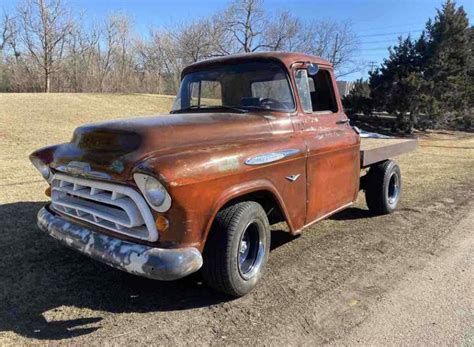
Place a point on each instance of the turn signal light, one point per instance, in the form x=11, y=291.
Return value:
x=162, y=223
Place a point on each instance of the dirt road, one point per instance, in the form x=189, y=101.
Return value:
x=352, y=279
x=434, y=305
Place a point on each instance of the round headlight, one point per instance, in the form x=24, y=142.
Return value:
x=154, y=192
x=44, y=169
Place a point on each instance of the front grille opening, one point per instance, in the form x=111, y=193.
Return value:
x=110, y=206
x=100, y=203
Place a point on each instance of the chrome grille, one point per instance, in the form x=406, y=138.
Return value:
x=111, y=206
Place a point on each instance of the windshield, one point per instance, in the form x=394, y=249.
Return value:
x=236, y=87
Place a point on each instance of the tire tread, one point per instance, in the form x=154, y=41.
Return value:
x=217, y=253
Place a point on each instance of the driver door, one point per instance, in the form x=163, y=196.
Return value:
x=332, y=145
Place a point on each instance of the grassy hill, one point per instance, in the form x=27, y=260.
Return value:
x=30, y=121
x=49, y=118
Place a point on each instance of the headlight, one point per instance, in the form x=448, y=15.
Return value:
x=154, y=192
x=44, y=169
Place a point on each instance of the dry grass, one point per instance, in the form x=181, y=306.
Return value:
x=441, y=161
x=31, y=121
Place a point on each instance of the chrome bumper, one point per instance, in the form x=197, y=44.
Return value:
x=155, y=263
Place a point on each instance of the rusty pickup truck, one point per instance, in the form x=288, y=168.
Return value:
x=251, y=140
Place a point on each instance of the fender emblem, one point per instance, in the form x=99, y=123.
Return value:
x=293, y=178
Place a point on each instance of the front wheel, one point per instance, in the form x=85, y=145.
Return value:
x=237, y=249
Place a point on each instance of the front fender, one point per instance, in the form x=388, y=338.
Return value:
x=242, y=189
x=201, y=181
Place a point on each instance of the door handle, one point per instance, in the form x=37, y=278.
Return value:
x=342, y=121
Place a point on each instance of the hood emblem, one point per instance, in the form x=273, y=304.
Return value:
x=293, y=178
x=79, y=168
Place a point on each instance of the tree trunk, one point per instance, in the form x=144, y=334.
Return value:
x=47, y=81
x=411, y=122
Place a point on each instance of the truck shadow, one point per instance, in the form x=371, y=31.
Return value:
x=39, y=278
x=352, y=213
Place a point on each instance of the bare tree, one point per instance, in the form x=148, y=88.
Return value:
x=45, y=25
x=79, y=60
x=194, y=41
x=165, y=60
x=282, y=33
x=106, y=48
x=343, y=50
x=223, y=40
x=149, y=65
x=334, y=41
x=49, y=51
x=245, y=20
x=7, y=30
x=173, y=62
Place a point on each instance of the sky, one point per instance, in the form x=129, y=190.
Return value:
x=378, y=23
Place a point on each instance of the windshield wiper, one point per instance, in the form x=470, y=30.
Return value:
x=192, y=107
x=207, y=107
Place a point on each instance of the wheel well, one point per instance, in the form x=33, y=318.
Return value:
x=267, y=200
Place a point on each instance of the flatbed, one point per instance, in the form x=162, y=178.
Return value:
x=377, y=150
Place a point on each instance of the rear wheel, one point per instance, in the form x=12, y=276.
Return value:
x=237, y=249
x=383, y=187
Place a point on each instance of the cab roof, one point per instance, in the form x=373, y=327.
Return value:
x=286, y=58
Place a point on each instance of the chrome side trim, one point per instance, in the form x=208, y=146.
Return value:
x=271, y=157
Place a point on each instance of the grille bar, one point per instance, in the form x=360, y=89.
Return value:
x=111, y=206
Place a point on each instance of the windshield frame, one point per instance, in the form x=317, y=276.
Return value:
x=203, y=67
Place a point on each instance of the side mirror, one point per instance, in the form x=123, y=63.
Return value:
x=313, y=69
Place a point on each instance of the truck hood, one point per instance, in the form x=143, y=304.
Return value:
x=116, y=147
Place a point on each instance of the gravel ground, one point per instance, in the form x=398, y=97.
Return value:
x=433, y=305
x=355, y=278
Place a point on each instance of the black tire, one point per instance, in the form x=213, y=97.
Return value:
x=383, y=187
x=229, y=266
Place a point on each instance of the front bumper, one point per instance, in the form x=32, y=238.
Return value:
x=155, y=263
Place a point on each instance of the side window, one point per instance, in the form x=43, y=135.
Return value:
x=302, y=84
x=322, y=92
x=205, y=93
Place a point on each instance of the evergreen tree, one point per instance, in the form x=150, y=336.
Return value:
x=430, y=81
x=448, y=59
x=397, y=85
x=358, y=100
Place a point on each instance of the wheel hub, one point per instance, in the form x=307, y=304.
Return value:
x=243, y=247
x=251, y=251
x=393, y=189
